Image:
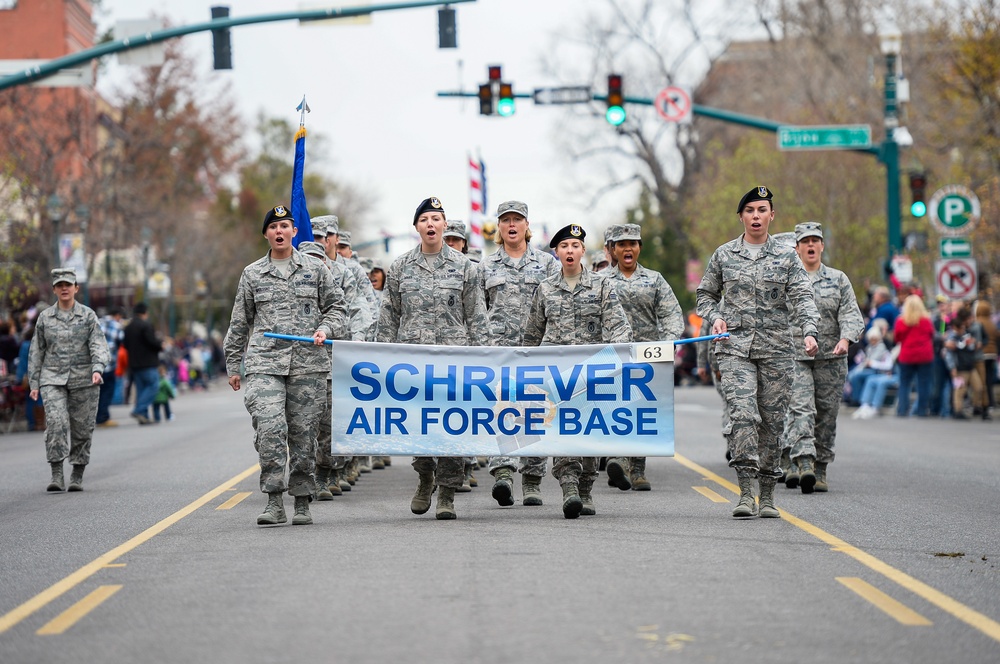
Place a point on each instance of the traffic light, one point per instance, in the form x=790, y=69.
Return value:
x=222, y=48
x=447, y=35
x=918, y=187
x=616, y=100
x=486, y=99
x=505, y=105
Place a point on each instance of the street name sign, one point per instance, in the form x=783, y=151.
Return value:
x=957, y=278
x=955, y=247
x=573, y=94
x=954, y=210
x=824, y=137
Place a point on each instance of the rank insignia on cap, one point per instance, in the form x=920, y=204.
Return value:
x=762, y=191
x=435, y=203
x=280, y=211
x=575, y=231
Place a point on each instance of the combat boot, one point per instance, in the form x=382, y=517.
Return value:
x=821, y=485
x=473, y=482
x=784, y=463
x=302, y=517
x=637, y=475
x=807, y=473
x=791, y=474
x=274, y=513
x=351, y=471
x=618, y=473
x=587, y=498
x=746, y=505
x=531, y=490
x=466, y=484
x=387, y=461
x=377, y=463
x=503, y=487
x=340, y=476
x=767, y=508
x=421, y=501
x=76, y=478
x=57, y=483
x=322, y=484
x=365, y=465
x=572, y=505
x=446, y=504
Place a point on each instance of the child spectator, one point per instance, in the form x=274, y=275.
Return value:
x=164, y=393
x=962, y=347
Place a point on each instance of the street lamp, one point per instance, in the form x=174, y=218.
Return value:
x=891, y=42
x=83, y=216
x=56, y=210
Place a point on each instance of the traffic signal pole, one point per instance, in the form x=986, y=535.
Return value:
x=51, y=67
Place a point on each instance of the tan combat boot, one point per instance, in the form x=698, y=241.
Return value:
x=446, y=504
x=807, y=473
x=618, y=473
x=637, y=475
x=572, y=505
x=531, y=490
x=767, y=508
x=302, y=517
x=790, y=470
x=586, y=489
x=746, y=506
x=503, y=487
x=76, y=478
x=57, y=483
x=821, y=485
x=466, y=484
x=274, y=513
x=422, y=498
x=323, y=484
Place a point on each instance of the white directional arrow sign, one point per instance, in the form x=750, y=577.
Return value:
x=574, y=94
x=955, y=247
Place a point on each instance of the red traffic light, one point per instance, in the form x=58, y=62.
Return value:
x=494, y=72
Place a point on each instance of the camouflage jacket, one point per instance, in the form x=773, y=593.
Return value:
x=436, y=301
x=364, y=290
x=589, y=314
x=509, y=284
x=650, y=304
x=758, y=293
x=67, y=349
x=306, y=301
x=839, y=314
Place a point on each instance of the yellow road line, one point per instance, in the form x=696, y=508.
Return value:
x=73, y=614
x=896, y=609
x=234, y=501
x=971, y=617
x=711, y=495
x=57, y=589
x=114, y=565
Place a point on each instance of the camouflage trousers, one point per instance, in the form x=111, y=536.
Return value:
x=811, y=421
x=70, y=416
x=571, y=470
x=324, y=436
x=285, y=412
x=529, y=465
x=447, y=471
x=725, y=405
x=757, y=392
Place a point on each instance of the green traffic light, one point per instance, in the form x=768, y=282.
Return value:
x=918, y=209
x=505, y=107
x=615, y=115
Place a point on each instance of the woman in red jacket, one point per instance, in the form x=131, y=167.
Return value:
x=914, y=334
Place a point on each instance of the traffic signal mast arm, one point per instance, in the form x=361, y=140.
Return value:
x=51, y=67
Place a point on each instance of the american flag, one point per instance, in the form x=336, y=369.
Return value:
x=477, y=201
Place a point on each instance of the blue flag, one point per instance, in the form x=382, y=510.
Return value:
x=299, y=210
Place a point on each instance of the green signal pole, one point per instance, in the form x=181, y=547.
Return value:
x=51, y=67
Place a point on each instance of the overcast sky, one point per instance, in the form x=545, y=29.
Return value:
x=372, y=89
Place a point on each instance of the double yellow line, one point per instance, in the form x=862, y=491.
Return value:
x=971, y=617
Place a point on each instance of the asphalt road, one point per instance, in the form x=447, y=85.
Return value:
x=159, y=558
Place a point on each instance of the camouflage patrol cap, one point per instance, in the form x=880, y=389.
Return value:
x=318, y=226
x=808, y=229
x=455, y=228
x=63, y=275
x=345, y=238
x=366, y=263
x=313, y=249
x=277, y=213
x=626, y=232
x=512, y=206
x=610, y=233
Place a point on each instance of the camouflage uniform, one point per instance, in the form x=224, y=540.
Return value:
x=653, y=313
x=811, y=421
x=756, y=361
x=363, y=286
x=708, y=358
x=434, y=300
x=589, y=314
x=67, y=350
x=285, y=379
x=509, y=284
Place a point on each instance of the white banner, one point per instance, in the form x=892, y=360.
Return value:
x=599, y=400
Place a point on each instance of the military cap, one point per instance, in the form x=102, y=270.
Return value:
x=455, y=229
x=332, y=224
x=626, y=232
x=571, y=232
x=366, y=263
x=432, y=204
x=377, y=264
x=475, y=255
x=63, y=274
x=808, y=229
x=318, y=226
x=512, y=206
x=313, y=249
x=610, y=233
x=761, y=193
x=345, y=238
x=277, y=213
x=597, y=258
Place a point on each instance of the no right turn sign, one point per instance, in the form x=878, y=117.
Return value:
x=957, y=278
